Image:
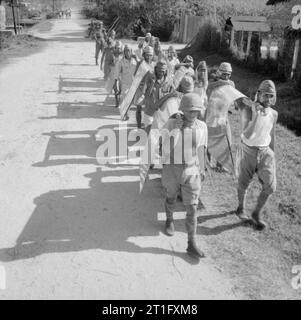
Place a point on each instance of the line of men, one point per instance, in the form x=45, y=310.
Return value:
x=64, y=14
x=203, y=112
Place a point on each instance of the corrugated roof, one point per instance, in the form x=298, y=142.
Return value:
x=250, y=23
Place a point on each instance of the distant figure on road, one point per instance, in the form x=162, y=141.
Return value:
x=172, y=60
x=127, y=67
x=99, y=37
x=114, y=73
x=148, y=55
x=156, y=86
x=201, y=81
x=188, y=65
x=107, y=59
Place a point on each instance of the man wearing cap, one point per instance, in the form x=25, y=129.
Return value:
x=139, y=52
x=114, y=73
x=156, y=86
x=107, y=59
x=147, y=39
x=148, y=54
x=186, y=86
x=201, y=81
x=99, y=38
x=126, y=70
x=222, y=76
x=224, y=72
x=183, y=158
x=172, y=60
x=182, y=69
x=257, y=149
x=188, y=64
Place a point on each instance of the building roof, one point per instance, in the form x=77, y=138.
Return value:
x=250, y=23
x=273, y=2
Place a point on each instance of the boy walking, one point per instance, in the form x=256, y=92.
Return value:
x=257, y=150
x=183, y=165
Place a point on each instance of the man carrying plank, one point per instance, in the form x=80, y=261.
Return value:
x=134, y=94
x=257, y=150
x=126, y=70
x=183, y=161
x=156, y=86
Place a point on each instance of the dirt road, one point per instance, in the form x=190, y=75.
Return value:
x=70, y=228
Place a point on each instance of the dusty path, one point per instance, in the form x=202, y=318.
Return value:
x=70, y=228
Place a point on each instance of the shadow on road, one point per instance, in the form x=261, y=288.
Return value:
x=67, y=84
x=77, y=36
x=84, y=110
x=79, y=147
x=72, y=64
x=70, y=147
x=85, y=219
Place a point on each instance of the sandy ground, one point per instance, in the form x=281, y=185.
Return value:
x=70, y=228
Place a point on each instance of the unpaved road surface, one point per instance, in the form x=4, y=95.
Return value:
x=69, y=227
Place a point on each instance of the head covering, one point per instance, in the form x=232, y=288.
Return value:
x=225, y=67
x=157, y=47
x=186, y=84
x=118, y=46
x=267, y=86
x=126, y=47
x=202, y=65
x=203, y=79
x=111, y=42
x=148, y=50
x=171, y=49
x=191, y=102
x=148, y=35
x=161, y=65
x=152, y=41
x=188, y=59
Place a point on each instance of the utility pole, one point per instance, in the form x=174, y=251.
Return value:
x=14, y=18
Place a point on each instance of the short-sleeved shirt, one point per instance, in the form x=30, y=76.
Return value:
x=183, y=147
x=257, y=132
x=154, y=90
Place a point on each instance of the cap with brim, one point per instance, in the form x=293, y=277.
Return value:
x=225, y=67
x=268, y=86
x=171, y=49
x=148, y=50
x=191, y=102
x=202, y=65
x=187, y=84
x=188, y=59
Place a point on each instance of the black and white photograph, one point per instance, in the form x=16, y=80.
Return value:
x=150, y=150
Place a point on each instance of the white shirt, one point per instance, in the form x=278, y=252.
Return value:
x=186, y=142
x=258, y=131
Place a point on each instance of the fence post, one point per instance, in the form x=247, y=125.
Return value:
x=185, y=28
x=249, y=43
x=232, y=39
x=295, y=58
